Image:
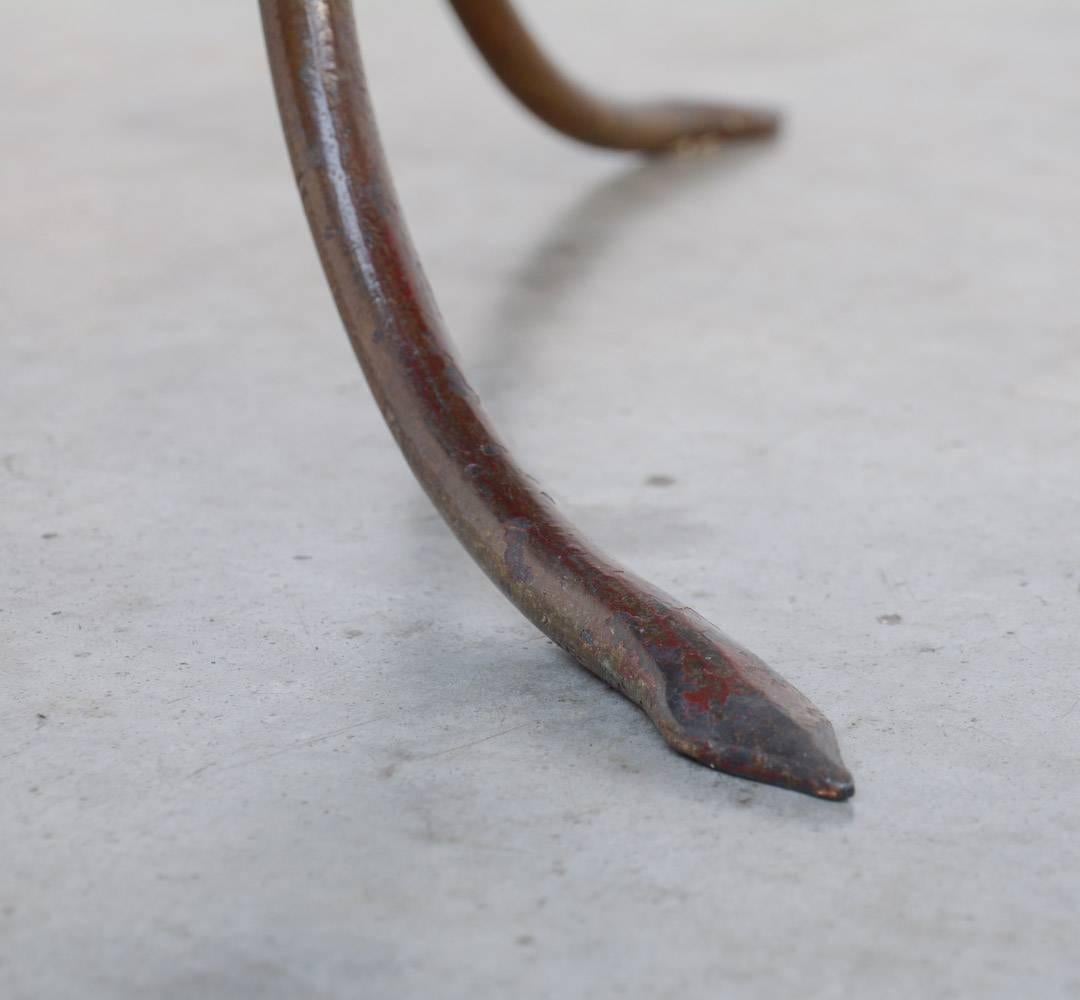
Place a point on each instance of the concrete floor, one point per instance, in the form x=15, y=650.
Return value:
x=268, y=733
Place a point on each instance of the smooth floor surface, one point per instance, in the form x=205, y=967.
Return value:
x=267, y=733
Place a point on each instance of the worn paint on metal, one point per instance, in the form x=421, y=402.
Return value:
x=710, y=698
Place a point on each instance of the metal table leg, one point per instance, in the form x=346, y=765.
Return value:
x=533, y=79
x=710, y=698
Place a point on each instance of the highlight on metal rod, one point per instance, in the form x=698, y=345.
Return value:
x=710, y=698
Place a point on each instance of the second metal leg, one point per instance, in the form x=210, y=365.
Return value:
x=519, y=62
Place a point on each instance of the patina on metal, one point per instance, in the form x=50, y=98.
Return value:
x=709, y=697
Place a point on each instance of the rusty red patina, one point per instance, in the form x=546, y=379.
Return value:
x=709, y=697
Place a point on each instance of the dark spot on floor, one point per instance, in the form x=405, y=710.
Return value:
x=301, y=558
x=50, y=534
x=659, y=479
x=892, y=619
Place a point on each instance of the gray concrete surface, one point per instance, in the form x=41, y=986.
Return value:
x=267, y=732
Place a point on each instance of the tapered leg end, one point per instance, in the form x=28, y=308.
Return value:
x=703, y=125
x=724, y=707
x=800, y=765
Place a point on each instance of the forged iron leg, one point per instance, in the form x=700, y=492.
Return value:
x=711, y=699
x=525, y=70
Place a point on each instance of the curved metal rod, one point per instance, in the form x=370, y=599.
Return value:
x=711, y=699
x=526, y=71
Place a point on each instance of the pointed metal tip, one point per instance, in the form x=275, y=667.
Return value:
x=816, y=767
x=821, y=775
x=834, y=787
x=784, y=742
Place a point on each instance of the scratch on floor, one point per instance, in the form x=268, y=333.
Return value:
x=302, y=744
x=473, y=743
x=1069, y=711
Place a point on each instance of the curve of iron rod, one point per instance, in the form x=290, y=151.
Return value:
x=532, y=77
x=710, y=698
